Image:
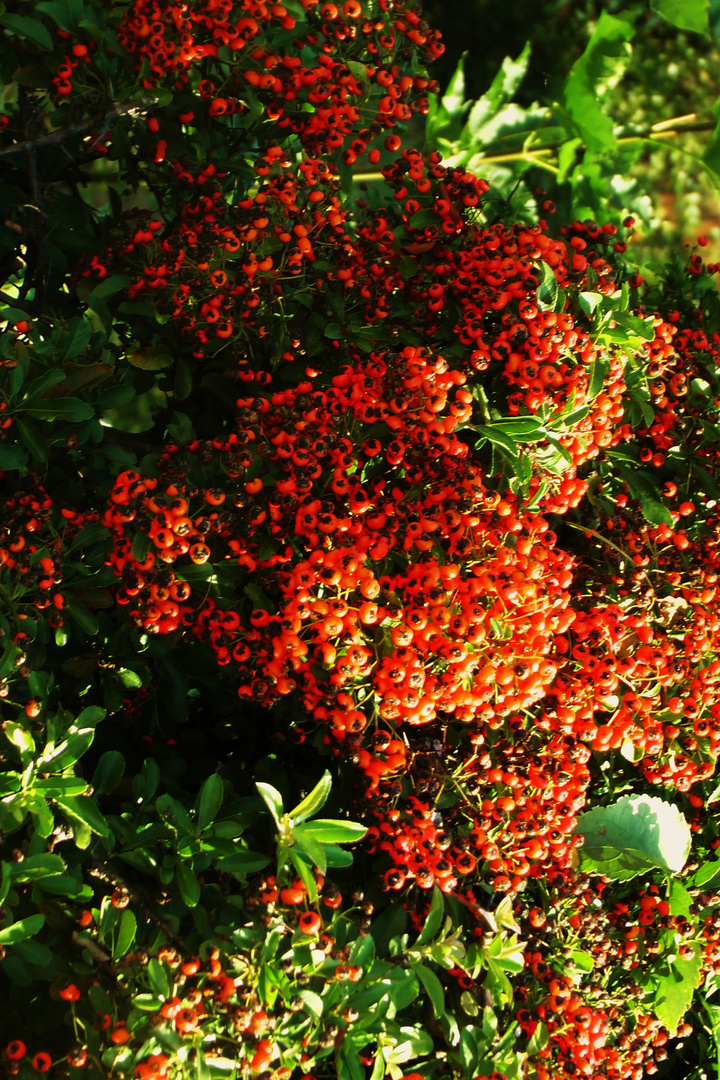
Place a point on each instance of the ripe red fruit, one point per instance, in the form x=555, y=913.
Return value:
x=262, y=1056
x=310, y=923
x=15, y=1050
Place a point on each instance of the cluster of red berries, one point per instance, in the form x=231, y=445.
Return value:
x=228, y=54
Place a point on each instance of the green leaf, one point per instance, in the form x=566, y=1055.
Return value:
x=642, y=485
x=273, y=800
x=188, y=883
x=35, y=867
x=637, y=832
x=151, y=358
x=108, y=288
x=337, y=857
x=708, y=875
x=600, y=66
x=159, y=978
x=71, y=409
x=685, y=14
x=311, y=847
x=433, y=988
x=538, y=1040
x=23, y=928
x=348, y=1063
x=83, y=809
x=175, y=814
x=547, y=292
x=327, y=830
x=12, y=457
x=243, y=863
x=499, y=438
x=312, y=1003
x=434, y=918
x=129, y=679
x=258, y=598
x=29, y=29
x=123, y=934
x=589, y=301
x=501, y=90
x=675, y=991
x=108, y=772
x=312, y=802
x=84, y=618
x=208, y=802
x=33, y=439
x=68, y=752
x=582, y=960
x=305, y=873
x=90, y=716
x=711, y=154
x=147, y=1002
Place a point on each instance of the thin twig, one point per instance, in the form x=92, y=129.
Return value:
x=52, y=137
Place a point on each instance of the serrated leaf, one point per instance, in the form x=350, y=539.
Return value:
x=501, y=90
x=603, y=61
x=636, y=830
x=675, y=991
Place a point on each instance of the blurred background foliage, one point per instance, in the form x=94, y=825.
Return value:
x=664, y=73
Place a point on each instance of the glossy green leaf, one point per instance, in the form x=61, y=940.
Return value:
x=159, y=977
x=83, y=809
x=272, y=799
x=243, y=863
x=188, y=883
x=434, y=918
x=314, y=800
x=312, y=848
x=327, y=830
x=305, y=874
x=675, y=990
x=123, y=934
x=208, y=802
x=433, y=987
x=31, y=30
x=23, y=928
x=108, y=772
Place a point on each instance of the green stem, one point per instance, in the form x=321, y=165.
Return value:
x=666, y=129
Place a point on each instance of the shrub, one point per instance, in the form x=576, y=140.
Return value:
x=382, y=506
